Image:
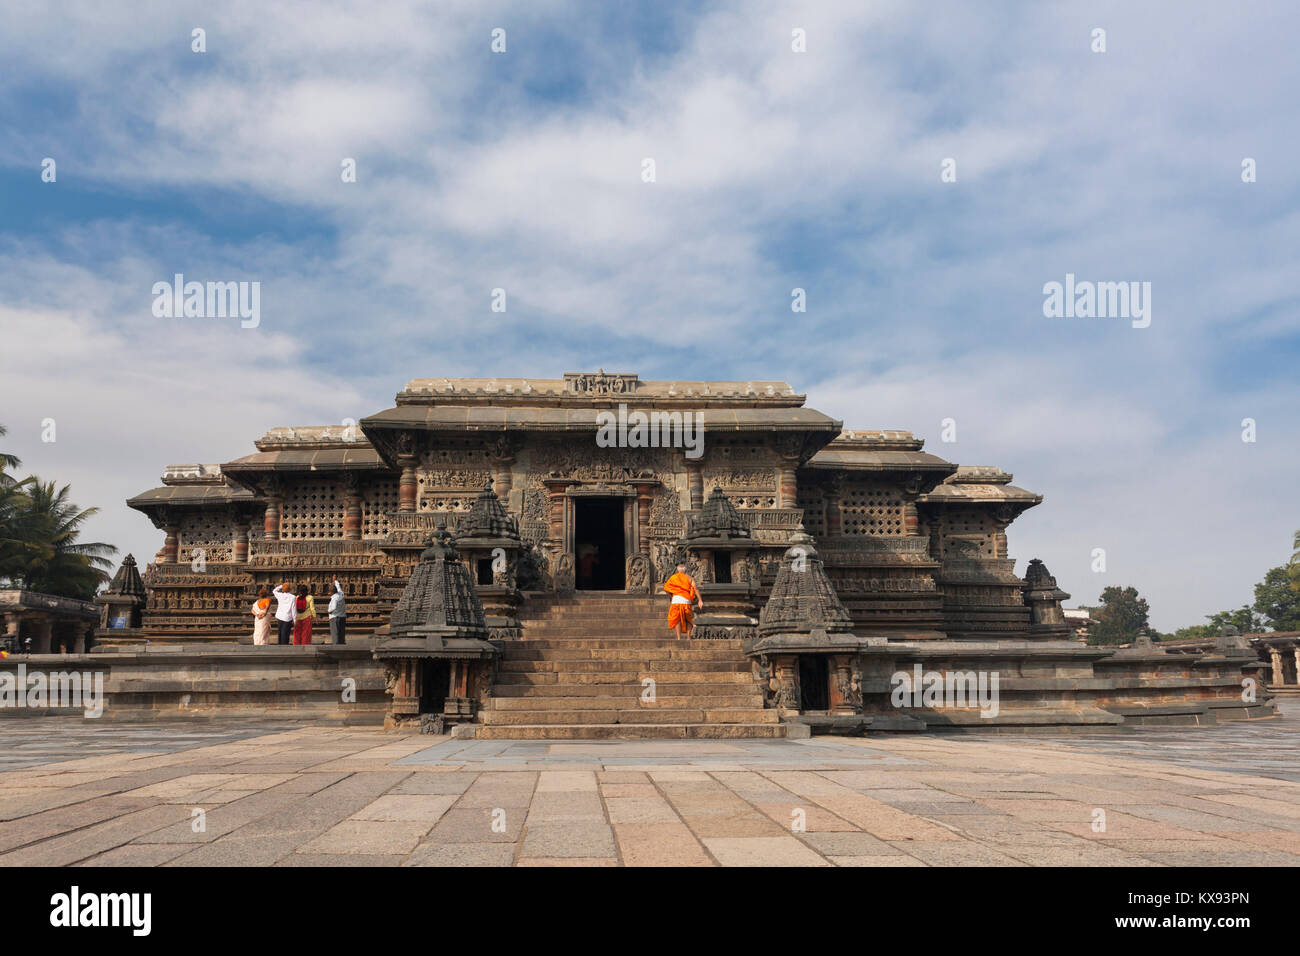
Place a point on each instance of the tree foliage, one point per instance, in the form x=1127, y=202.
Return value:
x=1121, y=616
x=40, y=532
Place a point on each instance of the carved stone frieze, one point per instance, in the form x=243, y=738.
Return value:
x=637, y=573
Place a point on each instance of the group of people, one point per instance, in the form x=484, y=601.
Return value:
x=294, y=614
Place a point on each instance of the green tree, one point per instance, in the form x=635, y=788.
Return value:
x=12, y=504
x=1121, y=615
x=40, y=546
x=1194, y=632
x=1244, y=619
x=1293, y=566
x=40, y=531
x=8, y=461
x=1277, y=602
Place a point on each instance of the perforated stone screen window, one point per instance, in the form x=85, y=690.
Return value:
x=739, y=450
x=972, y=526
x=746, y=502
x=378, y=498
x=206, y=530
x=313, y=510
x=871, y=508
x=814, y=512
x=212, y=553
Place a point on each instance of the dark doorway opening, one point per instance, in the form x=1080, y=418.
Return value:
x=814, y=683
x=435, y=680
x=484, y=570
x=598, y=546
x=722, y=567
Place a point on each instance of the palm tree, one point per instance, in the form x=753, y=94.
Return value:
x=7, y=461
x=12, y=501
x=1293, y=566
x=40, y=546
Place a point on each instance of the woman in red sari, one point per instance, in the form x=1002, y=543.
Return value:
x=305, y=605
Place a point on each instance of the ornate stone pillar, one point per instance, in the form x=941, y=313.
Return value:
x=911, y=520
x=786, y=684
x=11, y=630
x=502, y=456
x=351, y=507
x=43, y=633
x=407, y=485
x=846, y=685
x=695, y=483
x=789, y=449
x=1295, y=651
x=239, y=547
x=834, y=517
x=171, y=544
x=1002, y=518
x=1278, y=675
x=644, y=497
x=555, y=488
x=271, y=519
x=787, y=485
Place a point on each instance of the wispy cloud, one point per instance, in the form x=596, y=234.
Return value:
x=774, y=170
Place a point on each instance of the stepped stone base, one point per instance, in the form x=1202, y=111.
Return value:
x=582, y=669
x=625, y=731
x=241, y=681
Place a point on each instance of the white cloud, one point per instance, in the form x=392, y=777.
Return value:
x=775, y=169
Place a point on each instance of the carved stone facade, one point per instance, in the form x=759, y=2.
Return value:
x=909, y=551
x=915, y=545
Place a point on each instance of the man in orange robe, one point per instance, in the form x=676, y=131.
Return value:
x=685, y=596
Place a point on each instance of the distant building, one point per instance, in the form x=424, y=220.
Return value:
x=1080, y=620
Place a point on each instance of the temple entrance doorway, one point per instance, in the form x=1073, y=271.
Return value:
x=814, y=683
x=598, y=546
x=434, y=683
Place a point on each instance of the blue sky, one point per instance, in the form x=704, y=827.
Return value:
x=775, y=170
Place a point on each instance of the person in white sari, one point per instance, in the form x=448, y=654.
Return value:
x=261, y=617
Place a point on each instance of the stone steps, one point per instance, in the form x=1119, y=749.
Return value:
x=646, y=716
x=731, y=648
x=527, y=654
x=543, y=689
x=627, y=731
x=577, y=675
x=632, y=664
x=630, y=678
x=594, y=628
x=741, y=699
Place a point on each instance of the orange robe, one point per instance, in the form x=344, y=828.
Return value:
x=682, y=586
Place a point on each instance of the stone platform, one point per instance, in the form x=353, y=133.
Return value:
x=174, y=682
x=97, y=794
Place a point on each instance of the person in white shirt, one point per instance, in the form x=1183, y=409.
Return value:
x=338, y=615
x=285, y=613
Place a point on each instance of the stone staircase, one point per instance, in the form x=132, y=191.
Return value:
x=578, y=675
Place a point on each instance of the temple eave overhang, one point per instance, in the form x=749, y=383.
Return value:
x=820, y=642
x=435, y=646
x=192, y=497
x=587, y=418
x=334, y=459
x=599, y=388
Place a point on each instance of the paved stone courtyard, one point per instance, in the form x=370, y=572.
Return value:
x=285, y=795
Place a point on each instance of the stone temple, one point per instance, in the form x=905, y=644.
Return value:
x=502, y=549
